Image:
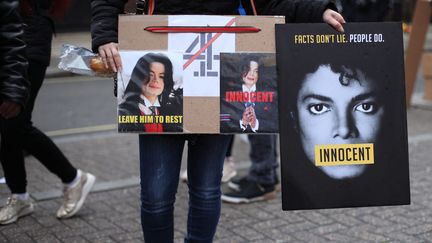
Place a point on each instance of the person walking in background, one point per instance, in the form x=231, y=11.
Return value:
x=160, y=155
x=19, y=134
x=13, y=65
x=14, y=85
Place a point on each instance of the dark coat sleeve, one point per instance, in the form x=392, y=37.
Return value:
x=104, y=21
x=13, y=64
x=295, y=11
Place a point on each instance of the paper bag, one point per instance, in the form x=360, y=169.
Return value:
x=195, y=57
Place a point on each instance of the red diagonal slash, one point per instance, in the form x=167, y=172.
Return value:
x=186, y=65
x=204, y=29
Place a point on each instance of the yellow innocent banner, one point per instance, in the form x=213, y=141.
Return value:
x=344, y=154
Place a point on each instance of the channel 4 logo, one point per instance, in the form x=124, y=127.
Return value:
x=206, y=58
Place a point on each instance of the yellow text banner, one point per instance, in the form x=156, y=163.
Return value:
x=344, y=154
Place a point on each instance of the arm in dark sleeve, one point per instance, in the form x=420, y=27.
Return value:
x=13, y=64
x=104, y=21
x=295, y=11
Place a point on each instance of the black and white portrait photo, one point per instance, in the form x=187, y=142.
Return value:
x=342, y=116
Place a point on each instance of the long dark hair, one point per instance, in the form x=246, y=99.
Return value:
x=245, y=65
x=141, y=76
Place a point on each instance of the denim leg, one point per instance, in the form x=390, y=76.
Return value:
x=263, y=155
x=206, y=155
x=160, y=161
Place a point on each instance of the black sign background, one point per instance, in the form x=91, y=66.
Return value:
x=386, y=182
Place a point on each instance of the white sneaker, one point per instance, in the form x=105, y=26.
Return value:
x=229, y=170
x=74, y=197
x=14, y=209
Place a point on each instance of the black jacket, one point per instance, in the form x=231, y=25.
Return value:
x=105, y=12
x=365, y=11
x=38, y=31
x=13, y=65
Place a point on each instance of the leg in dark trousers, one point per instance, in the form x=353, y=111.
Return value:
x=19, y=134
x=261, y=181
x=263, y=156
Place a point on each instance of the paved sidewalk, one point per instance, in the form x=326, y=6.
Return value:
x=112, y=213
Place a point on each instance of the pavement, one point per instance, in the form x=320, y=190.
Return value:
x=111, y=212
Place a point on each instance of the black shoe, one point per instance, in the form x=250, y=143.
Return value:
x=237, y=183
x=250, y=192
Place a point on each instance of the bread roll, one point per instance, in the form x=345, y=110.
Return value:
x=97, y=66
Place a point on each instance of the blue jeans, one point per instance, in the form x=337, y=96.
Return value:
x=263, y=155
x=160, y=161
